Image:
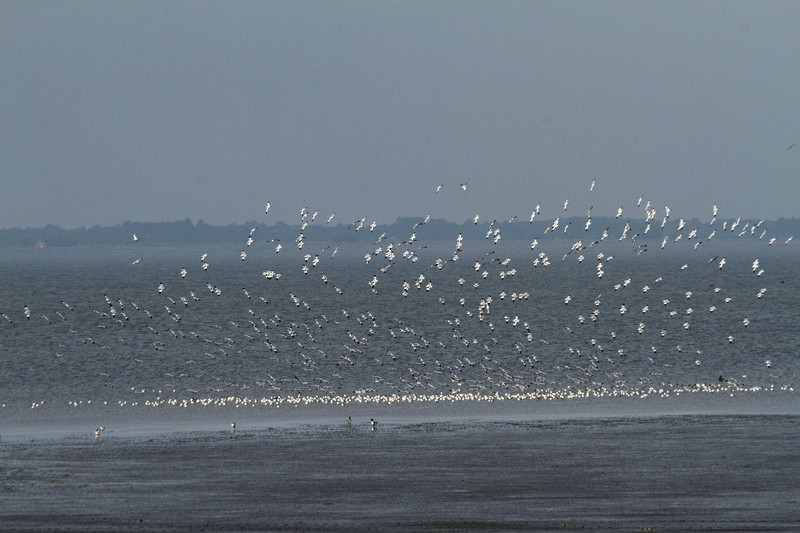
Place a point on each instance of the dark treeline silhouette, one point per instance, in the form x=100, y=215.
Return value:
x=186, y=232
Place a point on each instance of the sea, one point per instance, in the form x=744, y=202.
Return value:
x=458, y=345
x=136, y=331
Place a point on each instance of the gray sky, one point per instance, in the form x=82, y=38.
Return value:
x=153, y=111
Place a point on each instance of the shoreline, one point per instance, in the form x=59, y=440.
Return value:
x=157, y=421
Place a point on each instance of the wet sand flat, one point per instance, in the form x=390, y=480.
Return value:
x=714, y=473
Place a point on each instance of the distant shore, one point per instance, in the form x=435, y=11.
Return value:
x=189, y=232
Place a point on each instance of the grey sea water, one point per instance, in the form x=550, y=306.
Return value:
x=559, y=387
x=138, y=331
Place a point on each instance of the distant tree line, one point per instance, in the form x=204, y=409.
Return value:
x=186, y=232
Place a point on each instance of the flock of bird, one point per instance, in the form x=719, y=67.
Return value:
x=575, y=314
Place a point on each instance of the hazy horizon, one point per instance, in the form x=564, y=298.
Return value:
x=152, y=111
x=321, y=221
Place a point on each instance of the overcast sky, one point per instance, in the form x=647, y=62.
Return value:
x=159, y=111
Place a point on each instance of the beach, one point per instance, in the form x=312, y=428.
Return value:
x=703, y=472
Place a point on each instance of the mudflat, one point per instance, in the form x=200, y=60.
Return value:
x=687, y=472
